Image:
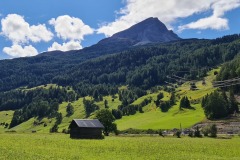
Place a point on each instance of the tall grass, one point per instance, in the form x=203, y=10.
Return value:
x=59, y=146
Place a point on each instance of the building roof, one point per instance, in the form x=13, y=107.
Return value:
x=88, y=123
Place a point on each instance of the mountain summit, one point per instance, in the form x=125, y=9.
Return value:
x=151, y=30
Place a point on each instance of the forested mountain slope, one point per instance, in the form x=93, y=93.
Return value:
x=143, y=66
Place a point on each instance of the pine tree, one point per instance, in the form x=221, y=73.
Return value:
x=215, y=106
x=233, y=106
x=184, y=103
x=69, y=110
x=172, y=99
x=96, y=95
x=106, y=103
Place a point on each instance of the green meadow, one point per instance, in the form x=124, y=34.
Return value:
x=155, y=119
x=60, y=146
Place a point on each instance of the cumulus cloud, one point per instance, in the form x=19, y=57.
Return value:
x=170, y=11
x=215, y=21
x=207, y=23
x=70, y=28
x=21, y=33
x=15, y=28
x=19, y=51
x=72, y=45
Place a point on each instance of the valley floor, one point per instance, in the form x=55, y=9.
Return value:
x=60, y=146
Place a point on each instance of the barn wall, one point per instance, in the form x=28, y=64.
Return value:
x=86, y=133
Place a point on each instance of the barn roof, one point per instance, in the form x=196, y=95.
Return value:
x=88, y=123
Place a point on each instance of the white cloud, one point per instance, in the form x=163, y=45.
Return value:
x=70, y=28
x=207, y=23
x=216, y=21
x=15, y=28
x=72, y=45
x=168, y=12
x=19, y=51
x=40, y=33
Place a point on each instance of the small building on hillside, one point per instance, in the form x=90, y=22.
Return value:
x=86, y=129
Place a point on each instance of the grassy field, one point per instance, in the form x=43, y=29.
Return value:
x=156, y=119
x=60, y=146
x=5, y=117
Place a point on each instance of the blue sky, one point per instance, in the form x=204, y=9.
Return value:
x=30, y=27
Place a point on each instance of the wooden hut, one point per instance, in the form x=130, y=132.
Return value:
x=86, y=129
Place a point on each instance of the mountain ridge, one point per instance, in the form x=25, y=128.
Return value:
x=150, y=30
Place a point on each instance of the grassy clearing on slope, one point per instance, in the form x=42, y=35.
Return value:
x=153, y=96
x=47, y=86
x=28, y=126
x=60, y=146
x=203, y=90
x=79, y=113
x=5, y=117
x=156, y=119
x=113, y=104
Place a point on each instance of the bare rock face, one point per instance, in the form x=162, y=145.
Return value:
x=151, y=30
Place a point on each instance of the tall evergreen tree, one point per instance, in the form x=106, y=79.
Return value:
x=106, y=104
x=184, y=103
x=233, y=106
x=172, y=98
x=69, y=109
x=215, y=106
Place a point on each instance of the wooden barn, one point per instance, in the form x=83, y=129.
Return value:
x=86, y=129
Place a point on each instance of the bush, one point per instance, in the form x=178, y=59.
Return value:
x=205, y=131
x=150, y=131
x=116, y=132
x=66, y=131
x=160, y=132
x=54, y=128
x=197, y=133
x=210, y=130
x=191, y=134
x=178, y=134
x=213, y=130
x=69, y=110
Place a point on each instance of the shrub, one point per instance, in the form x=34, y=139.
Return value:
x=190, y=134
x=160, y=132
x=213, y=130
x=54, y=128
x=197, y=133
x=178, y=134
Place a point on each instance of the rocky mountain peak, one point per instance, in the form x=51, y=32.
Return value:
x=151, y=30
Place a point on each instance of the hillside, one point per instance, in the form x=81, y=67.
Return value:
x=151, y=118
